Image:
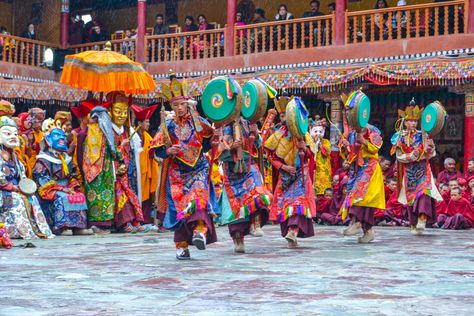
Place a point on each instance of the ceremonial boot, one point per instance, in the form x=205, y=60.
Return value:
x=239, y=246
x=420, y=226
x=414, y=231
x=256, y=230
x=183, y=254
x=369, y=235
x=66, y=232
x=292, y=238
x=353, y=229
x=82, y=231
x=199, y=240
x=100, y=231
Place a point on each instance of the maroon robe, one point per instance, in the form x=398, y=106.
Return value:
x=445, y=176
x=330, y=213
x=460, y=215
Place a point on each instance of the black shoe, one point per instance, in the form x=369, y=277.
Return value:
x=199, y=240
x=183, y=254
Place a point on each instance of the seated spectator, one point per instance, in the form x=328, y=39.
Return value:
x=259, y=16
x=470, y=169
x=203, y=24
x=386, y=166
x=470, y=182
x=99, y=35
x=283, y=15
x=314, y=5
x=247, y=8
x=460, y=212
x=201, y=44
x=239, y=22
x=29, y=33
x=403, y=21
x=380, y=22
x=449, y=173
x=330, y=215
x=3, y=40
x=332, y=8
x=76, y=30
x=396, y=213
x=160, y=26
x=189, y=25
x=89, y=27
x=127, y=46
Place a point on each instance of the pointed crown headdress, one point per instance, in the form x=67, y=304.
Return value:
x=412, y=111
x=175, y=90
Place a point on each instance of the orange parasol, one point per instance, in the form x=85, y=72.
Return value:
x=106, y=71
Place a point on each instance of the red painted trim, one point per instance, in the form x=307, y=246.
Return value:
x=340, y=27
x=141, y=30
x=229, y=38
x=470, y=16
x=64, y=30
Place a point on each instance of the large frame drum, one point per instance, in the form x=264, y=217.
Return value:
x=255, y=99
x=216, y=105
x=433, y=118
x=297, y=118
x=358, y=114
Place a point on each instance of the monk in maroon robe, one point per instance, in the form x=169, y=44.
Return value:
x=460, y=212
x=470, y=169
x=330, y=215
x=449, y=173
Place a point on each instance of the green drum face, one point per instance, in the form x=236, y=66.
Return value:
x=433, y=118
x=255, y=98
x=363, y=112
x=215, y=104
x=359, y=110
x=297, y=122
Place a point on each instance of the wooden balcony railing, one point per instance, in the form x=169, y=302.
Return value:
x=124, y=46
x=185, y=46
x=412, y=21
x=284, y=35
x=23, y=51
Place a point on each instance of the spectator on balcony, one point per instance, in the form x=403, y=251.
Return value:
x=256, y=39
x=314, y=5
x=402, y=15
x=380, y=22
x=247, y=8
x=202, y=45
x=29, y=33
x=160, y=26
x=89, y=27
x=259, y=16
x=99, y=35
x=128, y=44
x=283, y=15
x=189, y=25
x=332, y=8
x=76, y=30
x=240, y=22
x=29, y=49
x=3, y=40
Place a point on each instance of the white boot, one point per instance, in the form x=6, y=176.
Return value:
x=368, y=237
x=292, y=239
x=353, y=229
x=256, y=230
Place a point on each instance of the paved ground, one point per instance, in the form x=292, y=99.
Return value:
x=328, y=275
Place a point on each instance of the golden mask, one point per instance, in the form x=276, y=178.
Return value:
x=119, y=113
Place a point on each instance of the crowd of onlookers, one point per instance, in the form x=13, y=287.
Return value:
x=456, y=189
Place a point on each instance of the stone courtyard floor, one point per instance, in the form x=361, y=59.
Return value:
x=328, y=275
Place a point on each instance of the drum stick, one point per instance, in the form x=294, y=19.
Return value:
x=134, y=132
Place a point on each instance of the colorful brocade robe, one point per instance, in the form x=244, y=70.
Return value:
x=186, y=188
x=365, y=186
x=416, y=178
x=293, y=194
x=243, y=193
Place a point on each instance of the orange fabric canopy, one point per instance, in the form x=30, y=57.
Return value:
x=106, y=71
